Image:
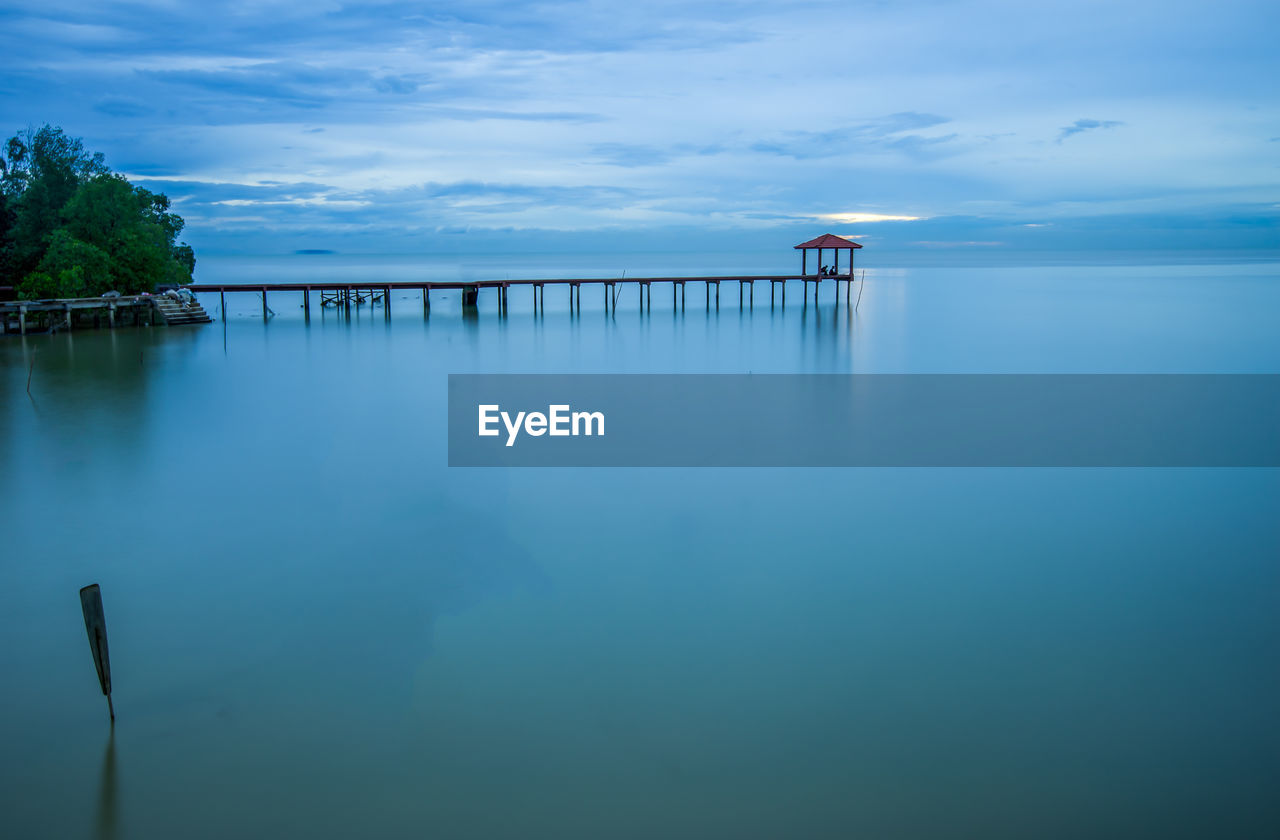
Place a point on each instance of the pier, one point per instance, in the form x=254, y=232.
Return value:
x=345, y=295
x=51, y=315
x=31, y=316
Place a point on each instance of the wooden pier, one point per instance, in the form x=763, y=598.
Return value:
x=27, y=316
x=345, y=295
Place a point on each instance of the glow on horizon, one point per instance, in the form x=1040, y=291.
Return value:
x=859, y=218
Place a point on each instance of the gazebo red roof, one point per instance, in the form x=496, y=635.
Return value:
x=829, y=240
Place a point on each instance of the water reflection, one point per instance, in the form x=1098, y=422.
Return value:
x=108, y=814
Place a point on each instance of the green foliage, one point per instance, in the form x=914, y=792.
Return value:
x=6, y=225
x=77, y=268
x=70, y=227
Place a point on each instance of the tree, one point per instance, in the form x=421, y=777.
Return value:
x=69, y=268
x=76, y=228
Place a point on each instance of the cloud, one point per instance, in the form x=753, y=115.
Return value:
x=193, y=193
x=489, y=199
x=628, y=154
x=292, y=83
x=967, y=244
x=114, y=106
x=474, y=114
x=396, y=84
x=717, y=113
x=874, y=134
x=1086, y=125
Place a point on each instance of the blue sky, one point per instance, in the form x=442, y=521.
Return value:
x=971, y=125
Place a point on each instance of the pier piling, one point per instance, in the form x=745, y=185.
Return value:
x=342, y=294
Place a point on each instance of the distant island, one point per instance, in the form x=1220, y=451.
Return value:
x=72, y=228
x=314, y=251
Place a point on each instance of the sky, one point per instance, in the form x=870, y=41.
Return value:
x=974, y=124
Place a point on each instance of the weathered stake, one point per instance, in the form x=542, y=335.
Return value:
x=95, y=623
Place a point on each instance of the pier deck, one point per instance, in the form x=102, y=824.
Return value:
x=346, y=294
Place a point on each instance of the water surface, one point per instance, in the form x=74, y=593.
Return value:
x=319, y=629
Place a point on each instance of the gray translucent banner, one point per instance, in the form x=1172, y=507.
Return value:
x=869, y=420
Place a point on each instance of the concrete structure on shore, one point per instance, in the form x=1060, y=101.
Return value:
x=28, y=316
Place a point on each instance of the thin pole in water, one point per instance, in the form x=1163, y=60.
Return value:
x=861, y=283
x=95, y=623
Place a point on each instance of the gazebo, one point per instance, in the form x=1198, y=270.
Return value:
x=828, y=241
x=835, y=244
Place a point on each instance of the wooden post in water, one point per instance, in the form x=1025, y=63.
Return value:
x=95, y=623
x=306, y=303
x=22, y=319
x=222, y=303
x=264, y=304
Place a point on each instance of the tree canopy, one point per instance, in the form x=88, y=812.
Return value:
x=70, y=227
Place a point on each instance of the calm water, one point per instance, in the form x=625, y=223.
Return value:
x=318, y=629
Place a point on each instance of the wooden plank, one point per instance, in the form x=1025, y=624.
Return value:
x=95, y=624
